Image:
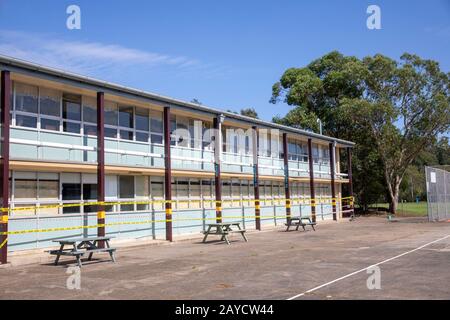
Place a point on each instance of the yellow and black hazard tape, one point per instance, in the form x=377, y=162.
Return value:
x=3, y=243
x=110, y=224
x=304, y=200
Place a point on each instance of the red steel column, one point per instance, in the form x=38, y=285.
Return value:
x=101, y=165
x=286, y=178
x=311, y=181
x=217, y=158
x=255, y=141
x=4, y=172
x=168, y=174
x=332, y=172
x=350, y=176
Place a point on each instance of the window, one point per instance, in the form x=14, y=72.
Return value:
x=126, y=191
x=126, y=135
x=26, y=98
x=142, y=125
x=71, y=113
x=89, y=191
x=207, y=193
x=236, y=192
x=110, y=113
x=26, y=121
x=90, y=130
x=71, y=107
x=126, y=117
x=182, y=193
x=50, y=102
x=142, y=120
x=110, y=133
x=111, y=121
x=48, y=189
x=111, y=187
x=25, y=189
x=142, y=191
x=206, y=135
x=194, y=193
x=126, y=187
x=157, y=191
x=89, y=110
x=50, y=124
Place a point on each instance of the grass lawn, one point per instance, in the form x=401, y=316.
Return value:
x=409, y=208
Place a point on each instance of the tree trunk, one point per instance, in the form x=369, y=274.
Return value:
x=394, y=193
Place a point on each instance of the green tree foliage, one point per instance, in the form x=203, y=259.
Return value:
x=249, y=112
x=391, y=109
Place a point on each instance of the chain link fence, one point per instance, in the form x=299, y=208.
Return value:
x=438, y=194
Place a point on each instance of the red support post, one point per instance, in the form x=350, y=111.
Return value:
x=256, y=178
x=4, y=171
x=333, y=178
x=168, y=174
x=311, y=181
x=101, y=166
x=217, y=172
x=286, y=177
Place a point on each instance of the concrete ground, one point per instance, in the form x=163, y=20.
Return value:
x=273, y=265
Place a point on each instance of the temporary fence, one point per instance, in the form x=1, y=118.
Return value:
x=438, y=194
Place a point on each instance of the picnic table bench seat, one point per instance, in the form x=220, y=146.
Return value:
x=300, y=222
x=223, y=230
x=81, y=247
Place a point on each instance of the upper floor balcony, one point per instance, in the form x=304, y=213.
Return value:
x=52, y=125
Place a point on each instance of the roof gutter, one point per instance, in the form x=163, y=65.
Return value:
x=21, y=64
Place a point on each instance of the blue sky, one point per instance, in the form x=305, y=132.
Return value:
x=227, y=54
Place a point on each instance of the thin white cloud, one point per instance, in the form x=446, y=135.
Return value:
x=83, y=57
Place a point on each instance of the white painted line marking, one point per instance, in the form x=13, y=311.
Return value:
x=356, y=272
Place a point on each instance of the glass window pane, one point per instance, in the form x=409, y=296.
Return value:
x=182, y=188
x=89, y=191
x=158, y=139
x=71, y=127
x=90, y=130
x=71, y=191
x=126, y=135
x=49, y=124
x=110, y=113
x=140, y=136
x=142, y=187
x=126, y=187
x=25, y=189
x=26, y=121
x=126, y=117
x=111, y=186
x=26, y=98
x=156, y=122
x=142, y=119
x=157, y=187
x=89, y=110
x=71, y=107
x=48, y=189
x=194, y=188
x=50, y=102
x=110, y=133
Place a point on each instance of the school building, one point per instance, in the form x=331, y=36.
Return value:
x=82, y=156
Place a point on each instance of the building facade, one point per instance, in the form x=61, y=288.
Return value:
x=93, y=157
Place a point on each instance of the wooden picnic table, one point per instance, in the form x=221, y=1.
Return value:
x=298, y=222
x=78, y=247
x=223, y=230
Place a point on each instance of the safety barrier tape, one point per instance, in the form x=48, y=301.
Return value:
x=305, y=200
x=110, y=224
x=3, y=243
